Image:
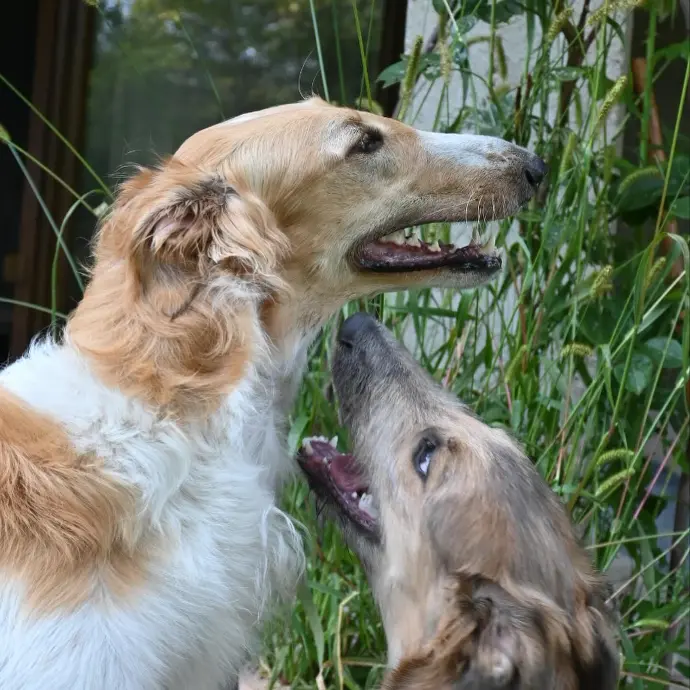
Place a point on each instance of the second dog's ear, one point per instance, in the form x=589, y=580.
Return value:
x=508, y=639
x=597, y=663
x=601, y=671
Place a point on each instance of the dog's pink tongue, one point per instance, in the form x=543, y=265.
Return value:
x=346, y=474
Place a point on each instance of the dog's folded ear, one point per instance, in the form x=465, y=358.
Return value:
x=596, y=654
x=524, y=641
x=494, y=639
x=509, y=650
x=181, y=216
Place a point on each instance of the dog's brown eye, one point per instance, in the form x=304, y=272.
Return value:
x=369, y=142
x=422, y=457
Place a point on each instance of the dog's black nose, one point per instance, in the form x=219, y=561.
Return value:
x=535, y=171
x=354, y=326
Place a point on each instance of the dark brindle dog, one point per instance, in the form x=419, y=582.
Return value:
x=480, y=579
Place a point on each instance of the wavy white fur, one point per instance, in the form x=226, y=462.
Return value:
x=207, y=489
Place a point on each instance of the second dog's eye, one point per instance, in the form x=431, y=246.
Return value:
x=422, y=457
x=369, y=142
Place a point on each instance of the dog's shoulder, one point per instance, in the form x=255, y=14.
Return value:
x=129, y=541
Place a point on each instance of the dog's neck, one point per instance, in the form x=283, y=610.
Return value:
x=183, y=355
x=411, y=617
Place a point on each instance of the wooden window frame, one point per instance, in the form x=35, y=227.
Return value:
x=64, y=39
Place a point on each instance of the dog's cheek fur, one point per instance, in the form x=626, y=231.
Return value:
x=63, y=522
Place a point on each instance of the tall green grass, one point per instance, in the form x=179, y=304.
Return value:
x=580, y=348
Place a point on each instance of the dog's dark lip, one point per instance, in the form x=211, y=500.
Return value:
x=393, y=252
x=390, y=258
x=336, y=478
x=377, y=255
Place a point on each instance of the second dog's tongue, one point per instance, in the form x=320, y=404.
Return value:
x=346, y=473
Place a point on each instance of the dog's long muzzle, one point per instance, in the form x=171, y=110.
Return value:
x=372, y=371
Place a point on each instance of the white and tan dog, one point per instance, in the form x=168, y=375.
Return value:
x=140, y=540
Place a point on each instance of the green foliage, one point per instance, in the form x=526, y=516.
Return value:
x=579, y=349
x=165, y=69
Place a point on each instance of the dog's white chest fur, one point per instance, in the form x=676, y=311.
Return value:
x=222, y=550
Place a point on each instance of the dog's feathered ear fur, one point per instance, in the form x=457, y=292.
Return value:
x=184, y=261
x=597, y=663
x=196, y=219
x=495, y=639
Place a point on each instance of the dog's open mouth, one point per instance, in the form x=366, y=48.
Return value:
x=337, y=478
x=407, y=251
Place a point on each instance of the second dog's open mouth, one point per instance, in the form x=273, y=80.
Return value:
x=338, y=478
x=407, y=251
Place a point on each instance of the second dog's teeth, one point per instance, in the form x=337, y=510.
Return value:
x=306, y=444
x=334, y=442
x=366, y=504
x=435, y=247
x=354, y=494
x=413, y=240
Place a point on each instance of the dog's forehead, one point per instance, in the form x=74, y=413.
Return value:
x=212, y=142
x=310, y=103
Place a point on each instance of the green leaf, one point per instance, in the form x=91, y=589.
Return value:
x=680, y=208
x=553, y=235
x=504, y=11
x=654, y=349
x=673, y=51
x=651, y=623
x=678, y=177
x=641, y=189
x=305, y=596
x=640, y=373
x=464, y=25
x=651, y=317
x=429, y=66
x=516, y=415
x=296, y=431
x=393, y=74
x=604, y=84
x=598, y=327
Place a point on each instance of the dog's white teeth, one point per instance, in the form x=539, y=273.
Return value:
x=334, y=442
x=326, y=461
x=435, y=247
x=354, y=494
x=488, y=246
x=475, y=235
x=413, y=240
x=366, y=504
x=306, y=445
x=397, y=238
